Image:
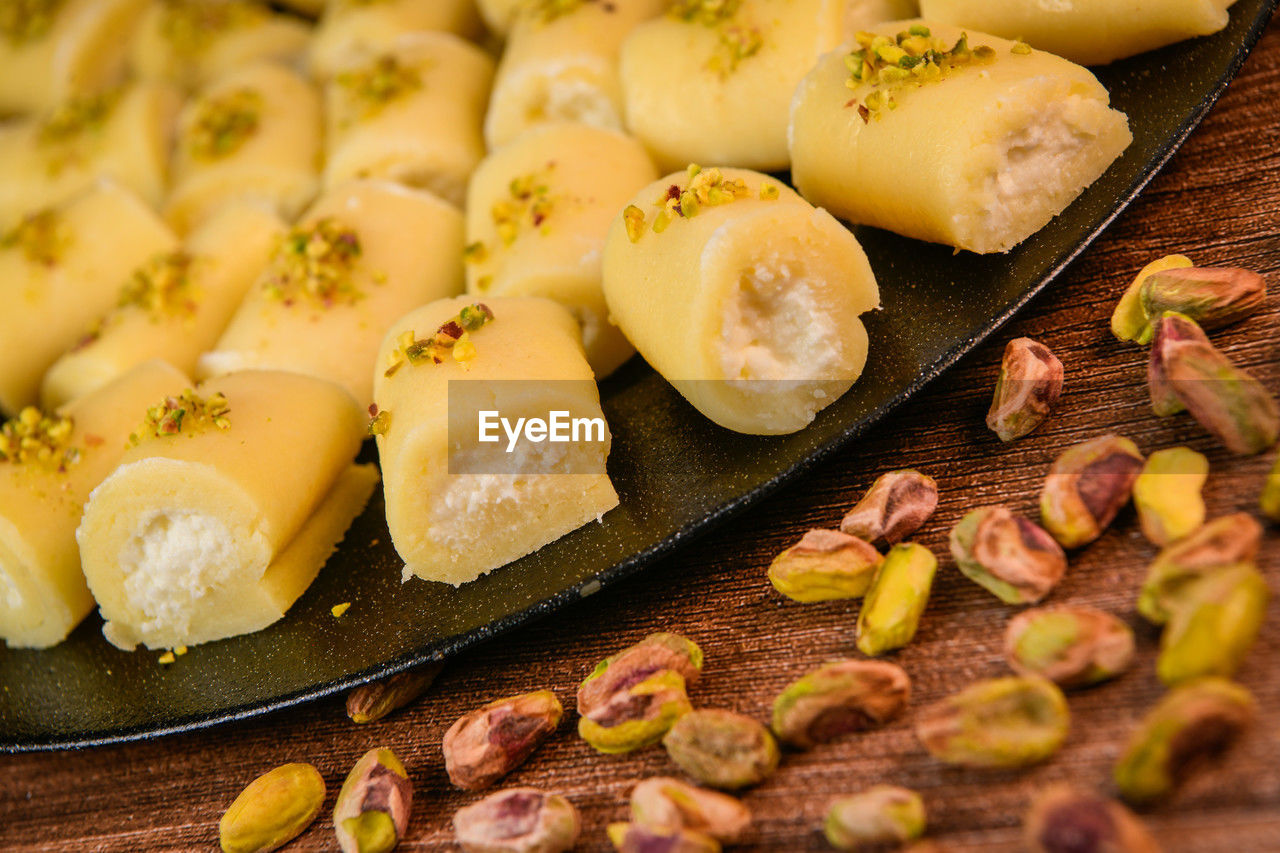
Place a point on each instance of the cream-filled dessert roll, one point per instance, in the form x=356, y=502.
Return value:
x=1091, y=32
x=458, y=507
x=174, y=306
x=253, y=135
x=49, y=463
x=744, y=296
x=60, y=269
x=711, y=82
x=354, y=28
x=194, y=42
x=561, y=64
x=1026, y=132
x=411, y=114
x=123, y=134
x=222, y=512
x=538, y=212
x=53, y=50
x=363, y=255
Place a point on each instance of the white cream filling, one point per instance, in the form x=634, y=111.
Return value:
x=9, y=592
x=774, y=330
x=574, y=100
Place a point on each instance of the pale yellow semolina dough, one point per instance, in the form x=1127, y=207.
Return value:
x=423, y=131
x=749, y=308
x=561, y=64
x=409, y=245
x=211, y=533
x=353, y=29
x=42, y=590
x=275, y=159
x=538, y=212
x=174, y=306
x=455, y=527
x=1091, y=32
x=979, y=159
x=59, y=271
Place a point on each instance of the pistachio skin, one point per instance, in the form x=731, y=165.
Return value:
x=1167, y=494
x=1067, y=820
x=486, y=744
x=1224, y=541
x=882, y=815
x=1086, y=488
x=1129, y=322
x=1070, y=646
x=1011, y=557
x=636, y=838
x=897, y=505
x=653, y=654
x=839, y=698
x=374, y=806
x=518, y=820
x=1215, y=625
x=825, y=565
x=1269, y=503
x=638, y=716
x=722, y=749
x=1170, y=331
x=998, y=723
x=1192, y=721
x=1212, y=296
x=1029, y=385
x=272, y=810
x=897, y=598
x=666, y=804
x=373, y=701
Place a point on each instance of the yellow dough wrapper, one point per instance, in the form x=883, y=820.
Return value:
x=61, y=269
x=354, y=28
x=538, y=212
x=1025, y=133
x=254, y=135
x=42, y=493
x=194, y=42
x=528, y=360
x=411, y=114
x=712, y=83
x=742, y=295
x=214, y=525
x=50, y=52
x=561, y=64
x=174, y=306
x=363, y=255
x=1091, y=32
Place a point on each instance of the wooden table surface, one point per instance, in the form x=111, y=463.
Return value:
x=1218, y=200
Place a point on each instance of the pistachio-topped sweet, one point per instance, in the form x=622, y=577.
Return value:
x=912, y=57
x=737, y=39
x=384, y=80
x=188, y=413
x=452, y=338
x=525, y=210
x=23, y=21
x=315, y=263
x=76, y=116
x=705, y=188
x=39, y=440
x=40, y=237
x=222, y=123
x=162, y=286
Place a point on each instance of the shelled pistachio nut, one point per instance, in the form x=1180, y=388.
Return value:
x=1269, y=503
x=375, y=803
x=722, y=749
x=1224, y=541
x=823, y=566
x=1212, y=296
x=637, y=838
x=1063, y=819
x=637, y=716
x=272, y=810
x=1001, y=722
x=893, y=605
x=879, y=816
x=1029, y=385
x=1086, y=488
x=1170, y=331
x=1012, y=558
x=1214, y=625
x=1193, y=720
x=518, y=820
x=897, y=505
x=653, y=654
x=1167, y=494
x=667, y=804
x=371, y=702
x=839, y=698
x=1070, y=646
x=488, y=743
x=1129, y=321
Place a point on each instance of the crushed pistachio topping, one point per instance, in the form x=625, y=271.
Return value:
x=709, y=13
x=22, y=21
x=453, y=338
x=528, y=205
x=34, y=438
x=1020, y=48
x=190, y=26
x=223, y=123
x=161, y=287
x=316, y=263
x=706, y=188
x=736, y=44
x=76, y=116
x=546, y=11
x=373, y=86
x=41, y=237
x=913, y=57
x=379, y=420
x=187, y=413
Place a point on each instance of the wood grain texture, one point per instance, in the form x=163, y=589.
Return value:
x=1218, y=200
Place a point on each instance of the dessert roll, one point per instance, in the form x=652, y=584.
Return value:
x=380, y=107
x=711, y=82
x=354, y=28
x=60, y=269
x=362, y=256
x=742, y=295
x=1026, y=132
x=538, y=212
x=49, y=463
x=561, y=63
x=222, y=512
x=194, y=42
x=524, y=359
x=52, y=51
x=1091, y=32
x=174, y=306
x=254, y=135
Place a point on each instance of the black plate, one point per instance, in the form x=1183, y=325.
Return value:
x=677, y=473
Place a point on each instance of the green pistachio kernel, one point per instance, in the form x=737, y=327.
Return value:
x=881, y=815
x=637, y=716
x=274, y=809
x=23, y=21
x=370, y=88
x=42, y=238
x=1167, y=494
x=1001, y=722
x=898, y=595
x=1226, y=541
x=1071, y=646
x=1215, y=624
x=38, y=440
x=187, y=414
x=722, y=749
x=823, y=566
x=1269, y=502
x=222, y=123
x=839, y=698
